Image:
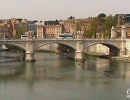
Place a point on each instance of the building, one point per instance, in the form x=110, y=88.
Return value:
x=74, y=25
x=32, y=26
x=40, y=31
x=4, y=29
x=127, y=18
x=70, y=26
x=123, y=19
x=53, y=31
x=5, y=33
x=17, y=27
x=55, y=22
x=50, y=29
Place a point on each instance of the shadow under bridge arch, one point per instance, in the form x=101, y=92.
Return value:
x=111, y=49
x=12, y=46
x=14, y=51
x=60, y=48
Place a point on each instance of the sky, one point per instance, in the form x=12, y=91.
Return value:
x=61, y=9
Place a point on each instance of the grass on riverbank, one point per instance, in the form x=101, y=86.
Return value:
x=126, y=59
x=95, y=54
x=46, y=51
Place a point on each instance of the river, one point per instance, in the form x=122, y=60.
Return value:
x=54, y=77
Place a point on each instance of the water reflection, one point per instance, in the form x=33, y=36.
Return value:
x=53, y=77
x=55, y=68
x=8, y=70
x=29, y=71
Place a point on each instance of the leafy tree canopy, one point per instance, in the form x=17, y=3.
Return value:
x=102, y=15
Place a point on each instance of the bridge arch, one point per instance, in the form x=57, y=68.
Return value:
x=65, y=44
x=113, y=49
x=16, y=45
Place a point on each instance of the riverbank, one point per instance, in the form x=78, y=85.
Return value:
x=46, y=51
x=126, y=59
x=99, y=55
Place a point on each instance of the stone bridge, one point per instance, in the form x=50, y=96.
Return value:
x=118, y=47
x=80, y=46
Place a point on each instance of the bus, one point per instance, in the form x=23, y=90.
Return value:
x=65, y=36
x=23, y=36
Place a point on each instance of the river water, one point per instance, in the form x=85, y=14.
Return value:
x=54, y=77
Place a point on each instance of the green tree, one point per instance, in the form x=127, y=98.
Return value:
x=109, y=22
x=71, y=17
x=20, y=30
x=93, y=28
x=102, y=15
x=115, y=19
x=81, y=25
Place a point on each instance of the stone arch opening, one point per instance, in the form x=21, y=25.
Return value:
x=14, y=47
x=49, y=43
x=62, y=48
x=111, y=51
x=14, y=51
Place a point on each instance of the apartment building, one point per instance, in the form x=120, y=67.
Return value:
x=53, y=31
x=4, y=33
x=69, y=26
x=32, y=26
x=123, y=19
x=50, y=29
x=40, y=31
x=18, y=26
x=74, y=25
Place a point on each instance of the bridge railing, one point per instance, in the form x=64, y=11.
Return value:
x=85, y=39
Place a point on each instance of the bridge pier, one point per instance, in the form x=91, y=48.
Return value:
x=30, y=48
x=79, y=55
x=30, y=56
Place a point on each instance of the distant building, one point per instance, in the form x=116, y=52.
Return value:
x=127, y=18
x=118, y=30
x=18, y=26
x=4, y=33
x=50, y=29
x=53, y=31
x=32, y=26
x=127, y=25
x=40, y=32
x=70, y=26
x=123, y=19
x=74, y=25
x=55, y=22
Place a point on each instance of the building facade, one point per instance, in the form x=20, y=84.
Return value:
x=53, y=31
x=4, y=33
x=40, y=32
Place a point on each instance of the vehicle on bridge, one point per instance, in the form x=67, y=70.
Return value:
x=65, y=36
x=25, y=36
